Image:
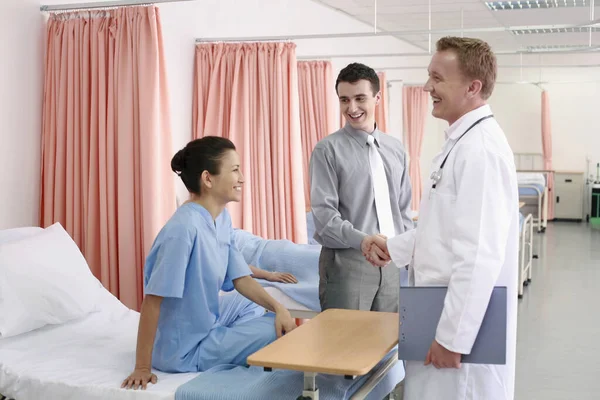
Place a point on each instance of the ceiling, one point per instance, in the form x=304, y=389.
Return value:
x=402, y=15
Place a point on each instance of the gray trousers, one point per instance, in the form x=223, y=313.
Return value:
x=347, y=280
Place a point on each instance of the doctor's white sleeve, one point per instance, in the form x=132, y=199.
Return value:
x=481, y=220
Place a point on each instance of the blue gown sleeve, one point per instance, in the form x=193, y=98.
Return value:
x=167, y=263
x=237, y=266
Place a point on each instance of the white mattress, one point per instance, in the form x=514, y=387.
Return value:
x=86, y=359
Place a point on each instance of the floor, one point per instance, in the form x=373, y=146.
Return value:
x=558, y=345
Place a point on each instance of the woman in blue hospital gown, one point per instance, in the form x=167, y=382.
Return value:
x=186, y=324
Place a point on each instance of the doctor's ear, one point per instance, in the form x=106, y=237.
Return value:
x=474, y=88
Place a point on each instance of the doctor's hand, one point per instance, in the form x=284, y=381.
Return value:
x=441, y=357
x=284, y=323
x=375, y=250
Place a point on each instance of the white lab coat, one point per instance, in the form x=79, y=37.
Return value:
x=466, y=239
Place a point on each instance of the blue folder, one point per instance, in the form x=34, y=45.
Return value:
x=420, y=312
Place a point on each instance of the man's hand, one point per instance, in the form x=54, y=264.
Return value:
x=441, y=357
x=284, y=323
x=375, y=250
x=280, y=277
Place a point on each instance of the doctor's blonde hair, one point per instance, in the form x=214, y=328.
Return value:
x=476, y=58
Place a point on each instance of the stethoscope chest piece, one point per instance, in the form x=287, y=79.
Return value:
x=436, y=176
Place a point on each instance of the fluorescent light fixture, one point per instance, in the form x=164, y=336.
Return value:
x=534, y=4
x=518, y=32
x=557, y=47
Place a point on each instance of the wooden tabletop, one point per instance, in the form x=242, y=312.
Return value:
x=521, y=204
x=337, y=342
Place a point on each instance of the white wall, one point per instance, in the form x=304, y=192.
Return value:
x=21, y=33
x=22, y=29
x=573, y=113
x=573, y=108
x=183, y=22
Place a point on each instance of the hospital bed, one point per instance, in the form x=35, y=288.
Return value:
x=88, y=357
x=533, y=187
x=301, y=260
x=525, y=251
x=533, y=191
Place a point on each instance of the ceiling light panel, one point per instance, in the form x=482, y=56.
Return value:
x=556, y=47
x=534, y=4
x=518, y=32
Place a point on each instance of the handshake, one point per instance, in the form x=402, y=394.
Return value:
x=375, y=250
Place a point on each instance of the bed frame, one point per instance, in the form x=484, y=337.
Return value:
x=534, y=163
x=538, y=202
x=526, y=253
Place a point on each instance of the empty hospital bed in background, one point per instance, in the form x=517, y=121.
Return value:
x=533, y=191
x=533, y=187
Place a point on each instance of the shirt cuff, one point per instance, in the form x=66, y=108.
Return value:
x=355, y=238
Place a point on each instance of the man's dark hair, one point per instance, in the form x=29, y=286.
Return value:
x=354, y=72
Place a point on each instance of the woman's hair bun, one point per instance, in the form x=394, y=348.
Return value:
x=178, y=162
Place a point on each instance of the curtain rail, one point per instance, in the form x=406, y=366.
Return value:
x=104, y=4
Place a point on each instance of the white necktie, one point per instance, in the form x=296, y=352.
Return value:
x=381, y=190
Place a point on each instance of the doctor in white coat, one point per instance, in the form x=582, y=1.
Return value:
x=467, y=234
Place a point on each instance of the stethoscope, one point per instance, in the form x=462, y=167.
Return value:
x=436, y=176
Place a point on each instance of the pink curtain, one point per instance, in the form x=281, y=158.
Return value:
x=381, y=109
x=414, y=112
x=547, y=150
x=317, y=110
x=248, y=92
x=106, y=145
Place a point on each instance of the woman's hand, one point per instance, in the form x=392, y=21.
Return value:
x=284, y=323
x=139, y=378
x=283, y=277
x=142, y=373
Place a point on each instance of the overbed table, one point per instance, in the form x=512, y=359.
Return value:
x=338, y=342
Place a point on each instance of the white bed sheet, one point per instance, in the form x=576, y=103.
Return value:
x=88, y=358
x=85, y=359
x=285, y=300
x=531, y=178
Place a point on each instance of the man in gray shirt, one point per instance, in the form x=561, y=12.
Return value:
x=359, y=185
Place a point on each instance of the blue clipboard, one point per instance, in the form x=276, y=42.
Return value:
x=420, y=311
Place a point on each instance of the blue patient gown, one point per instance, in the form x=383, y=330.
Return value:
x=191, y=260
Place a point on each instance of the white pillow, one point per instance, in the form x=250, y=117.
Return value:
x=44, y=279
x=8, y=235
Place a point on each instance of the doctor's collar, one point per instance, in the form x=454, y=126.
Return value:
x=456, y=129
x=361, y=136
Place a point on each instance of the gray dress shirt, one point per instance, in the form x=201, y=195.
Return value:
x=341, y=188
